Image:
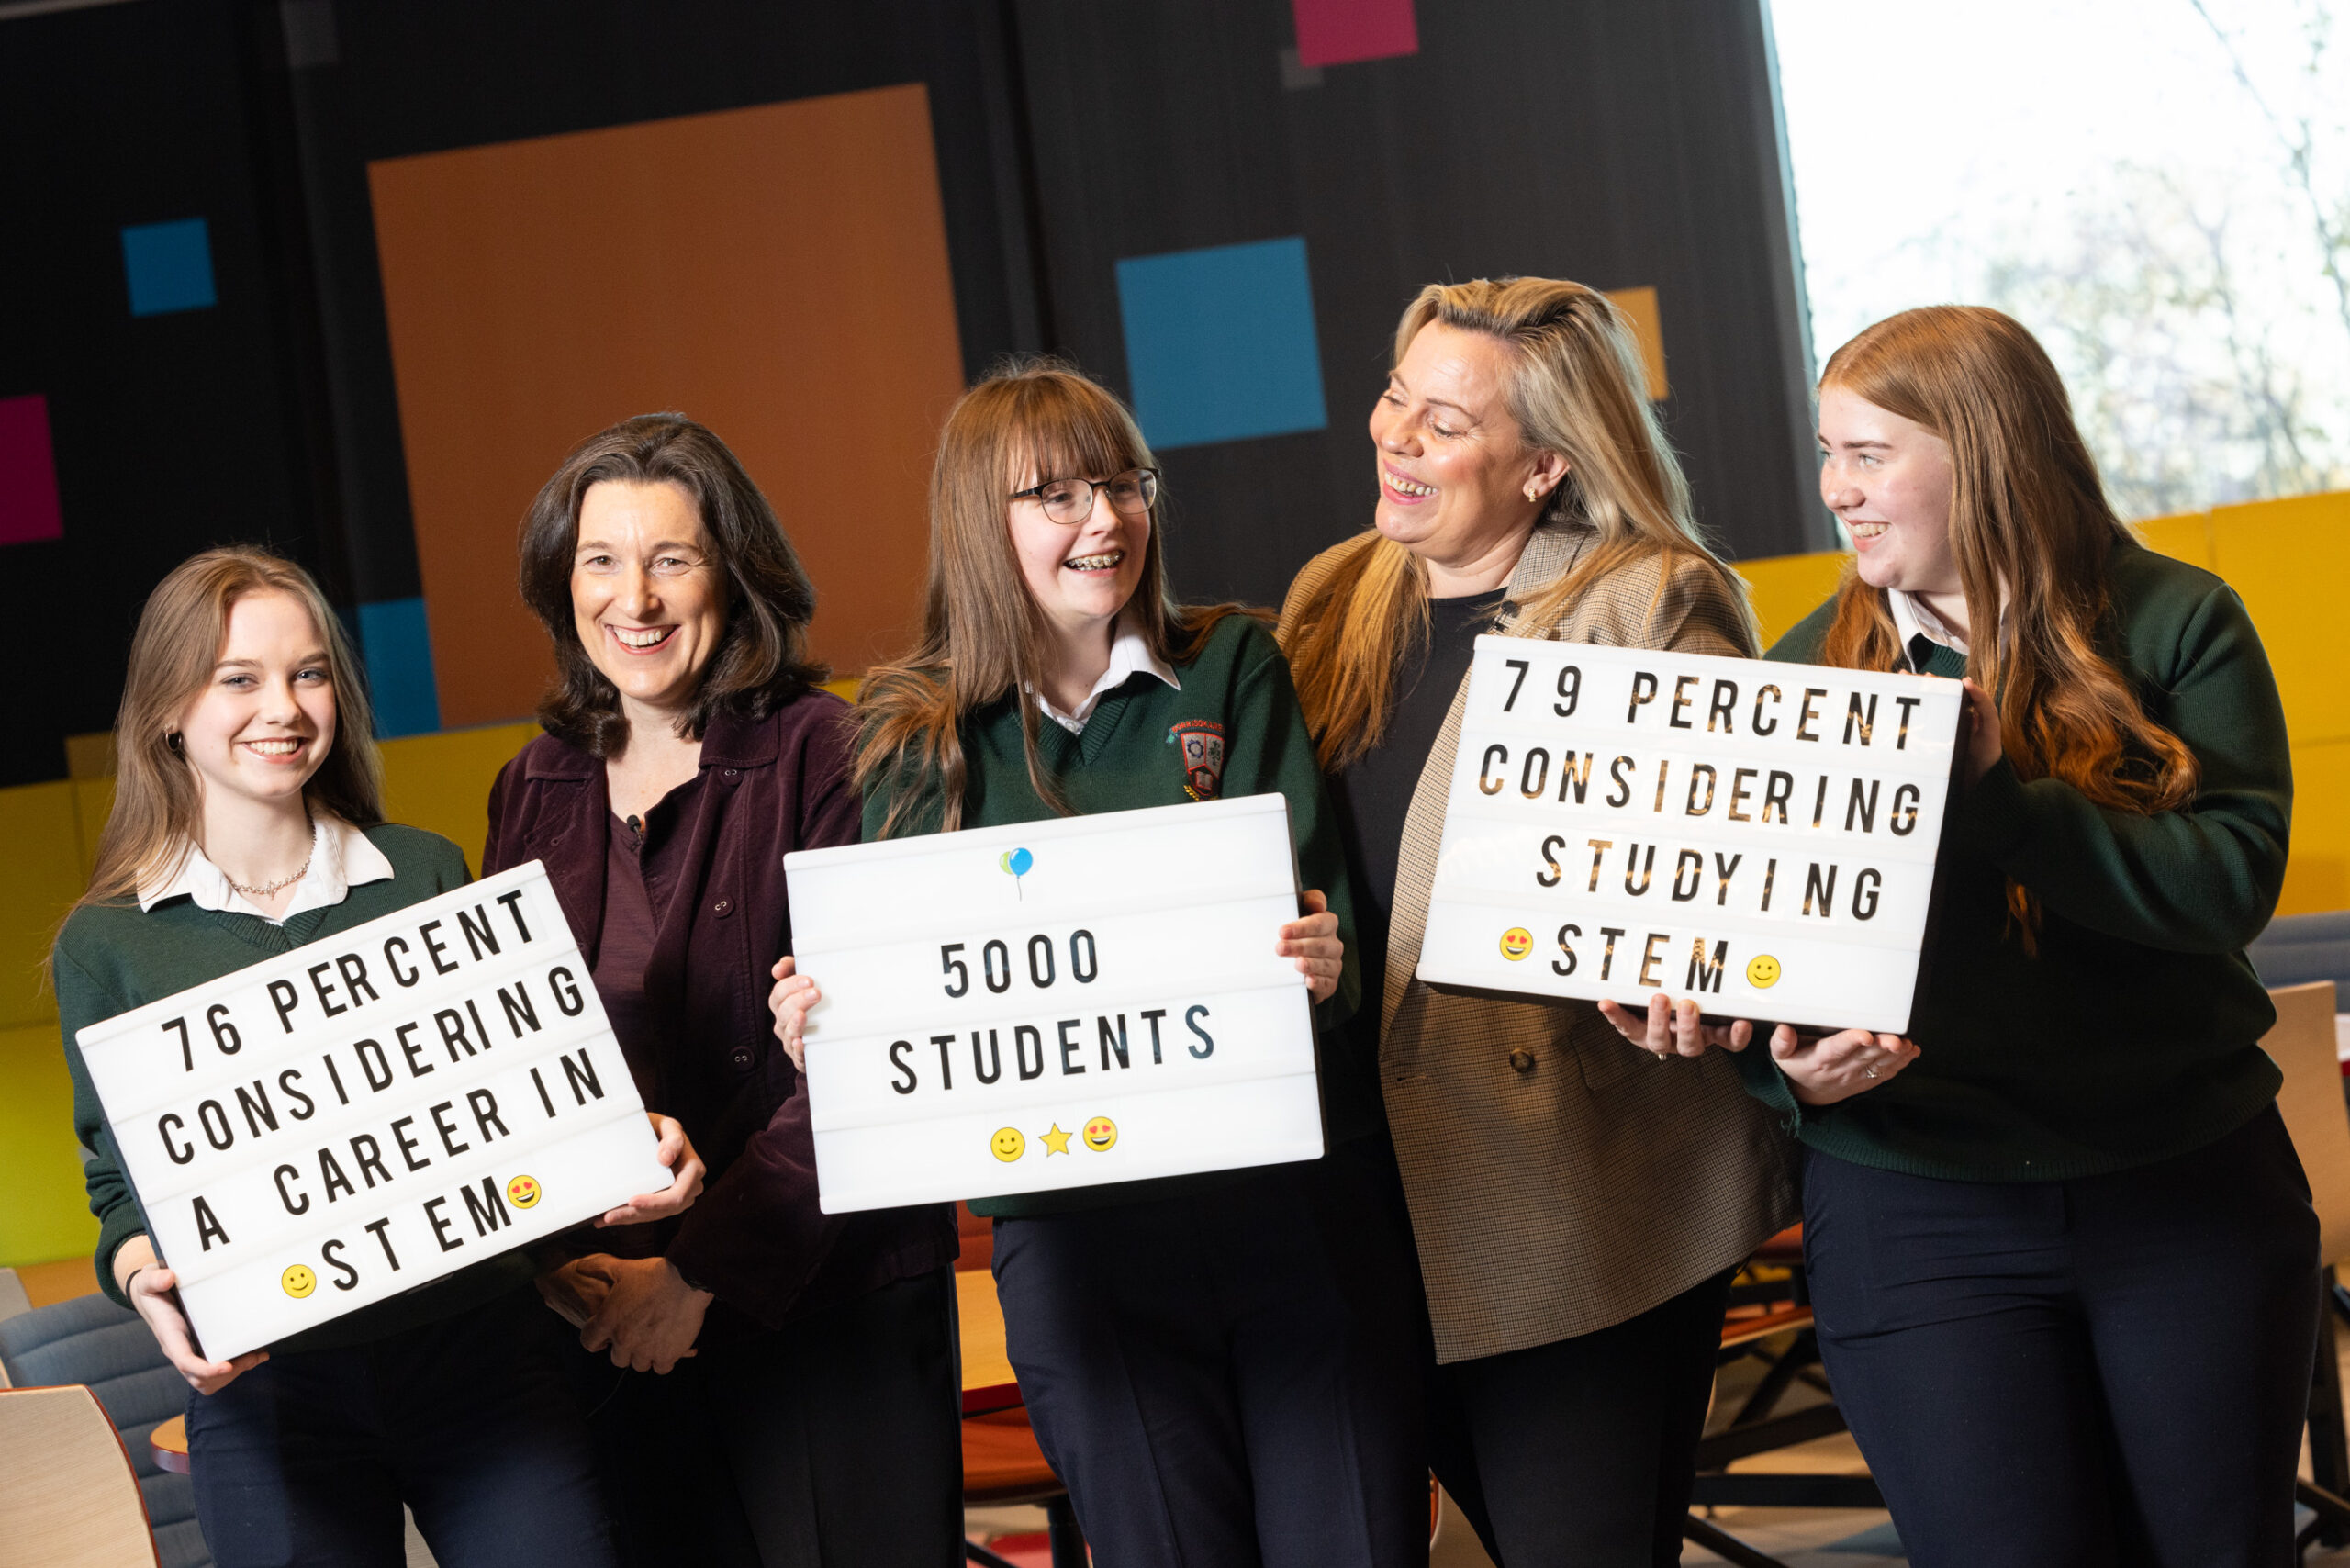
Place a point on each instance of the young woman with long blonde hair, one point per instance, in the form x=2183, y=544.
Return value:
x=2061, y=1249
x=1212, y=1362
x=1579, y=1209
x=247, y=821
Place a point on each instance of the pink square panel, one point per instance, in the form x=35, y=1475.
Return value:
x=1333, y=32
x=28, y=473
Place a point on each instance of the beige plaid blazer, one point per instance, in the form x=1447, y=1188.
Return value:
x=1592, y=1180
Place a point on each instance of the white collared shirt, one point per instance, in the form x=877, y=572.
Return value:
x=340, y=860
x=1913, y=618
x=1129, y=654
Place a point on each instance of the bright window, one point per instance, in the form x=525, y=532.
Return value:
x=2159, y=189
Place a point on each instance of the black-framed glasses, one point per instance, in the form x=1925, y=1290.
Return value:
x=1071, y=501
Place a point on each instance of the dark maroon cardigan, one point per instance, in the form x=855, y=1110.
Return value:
x=757, y=1238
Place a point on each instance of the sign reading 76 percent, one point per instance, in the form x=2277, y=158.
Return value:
x=1759, y=836
x=372, y=1110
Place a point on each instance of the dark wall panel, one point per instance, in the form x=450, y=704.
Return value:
x=1616, y=142
x=171, y=432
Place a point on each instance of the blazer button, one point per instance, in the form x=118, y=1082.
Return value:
x=1522, y=1061
x=723, y=906
x=742, y=1059
x=731, y=772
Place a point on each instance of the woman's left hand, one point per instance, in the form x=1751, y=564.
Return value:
x=1314, y=942
x=1829, y=1068
x=1984, y=747
x=677, y=1152
x=649, y=1319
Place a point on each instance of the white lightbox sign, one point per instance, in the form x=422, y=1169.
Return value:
x=373, y=1111
x=1056, y=1004
x=1758, y=836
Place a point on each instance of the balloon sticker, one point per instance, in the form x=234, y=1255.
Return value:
x=1018, y=862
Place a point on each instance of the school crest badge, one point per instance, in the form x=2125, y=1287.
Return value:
x=1198, y=748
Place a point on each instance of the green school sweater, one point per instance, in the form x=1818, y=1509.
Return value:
x=2132, y=1035
x=1129, y=757
x=112, y=958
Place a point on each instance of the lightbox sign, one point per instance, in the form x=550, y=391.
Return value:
x=373, y=1111
x=1758, y=836
x=1056, y=1004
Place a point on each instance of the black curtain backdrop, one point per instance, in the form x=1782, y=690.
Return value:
x=1619, y=142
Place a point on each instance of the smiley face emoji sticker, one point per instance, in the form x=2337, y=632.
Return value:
x=298, y=1281
x=1762, y=973
x=1516, y=942
x=1008, y=1145
x=1099, y=1132
x=522, y=1191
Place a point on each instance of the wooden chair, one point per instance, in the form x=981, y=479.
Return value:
x=2303, y=1046
x=68, y=1497
x=1769, y=1301
x=1002, y=1464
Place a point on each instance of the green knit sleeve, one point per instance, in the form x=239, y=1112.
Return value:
x=2201, y=880
x=1270, y=749
x=82, y=1000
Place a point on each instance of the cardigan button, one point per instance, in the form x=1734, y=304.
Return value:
x=1522, y=1061
x=732, y=772
x=723, y=906
x=742, y=1059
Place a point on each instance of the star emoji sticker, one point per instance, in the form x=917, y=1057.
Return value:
x=1055, y=1141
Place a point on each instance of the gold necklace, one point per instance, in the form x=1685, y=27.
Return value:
x=299, y=872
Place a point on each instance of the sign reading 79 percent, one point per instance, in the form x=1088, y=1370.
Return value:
x=372, y=1110
x=1760, y=837
x=1055, y=1004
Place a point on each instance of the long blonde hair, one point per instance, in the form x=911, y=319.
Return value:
x=155, y=817
x=1576, y=388
x=2027, y=513
x=984, y=636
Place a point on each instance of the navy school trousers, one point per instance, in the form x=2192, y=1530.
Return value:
x=306, y=1460
x=2075, y=1374
x=1228, y=1377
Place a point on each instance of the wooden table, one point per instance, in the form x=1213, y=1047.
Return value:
x=988, y=1382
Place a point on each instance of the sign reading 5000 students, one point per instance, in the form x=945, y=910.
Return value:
x=1056, y=1004
x=1759, y=836
x=372, y=1110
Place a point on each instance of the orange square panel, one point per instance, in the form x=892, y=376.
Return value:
x=779, y=273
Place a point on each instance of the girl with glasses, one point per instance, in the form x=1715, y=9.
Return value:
x=1211, y=1362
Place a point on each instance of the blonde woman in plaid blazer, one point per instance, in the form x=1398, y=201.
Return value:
x=1579, y=1205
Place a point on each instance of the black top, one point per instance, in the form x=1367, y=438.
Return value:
x=1374, y=794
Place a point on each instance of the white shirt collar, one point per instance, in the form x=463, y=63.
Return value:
x=1129, y=654
x=1914, y=618
x=340, y=860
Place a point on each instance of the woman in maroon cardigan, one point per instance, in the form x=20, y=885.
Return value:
x=785, y=1388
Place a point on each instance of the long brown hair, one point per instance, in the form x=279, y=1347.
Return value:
x=2028, y=515
x=983, y=635
x=761, y=661
x=155, y=820
x=1576, y=388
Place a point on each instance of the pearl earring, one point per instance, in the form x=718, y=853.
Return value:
x=1533, y=492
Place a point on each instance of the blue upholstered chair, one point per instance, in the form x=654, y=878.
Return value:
x=2298, y=948
x=91, y=1340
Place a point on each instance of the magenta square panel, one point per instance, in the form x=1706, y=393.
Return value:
x=28, y=473
x=1331, y=32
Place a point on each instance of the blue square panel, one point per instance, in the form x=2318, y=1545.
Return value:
x=399, y=651
x=169, y=265
x=1220, y=343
